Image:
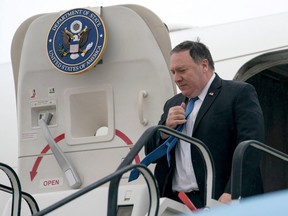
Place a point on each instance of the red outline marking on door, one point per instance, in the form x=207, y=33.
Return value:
x=118, y=133
x=128, y=142
x=33, y=172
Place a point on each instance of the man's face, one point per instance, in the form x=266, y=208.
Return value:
x=189, y=76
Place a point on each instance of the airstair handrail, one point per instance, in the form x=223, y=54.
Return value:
x=32, y=204
x=207, y=157
x=16, y=192
x=148, y=175
x=237, y=162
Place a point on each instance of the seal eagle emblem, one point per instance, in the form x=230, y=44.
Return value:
x=76, y=41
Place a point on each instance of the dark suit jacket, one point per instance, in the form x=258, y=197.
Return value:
x=230, y=113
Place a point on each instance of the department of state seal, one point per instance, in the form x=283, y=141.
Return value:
x=76, y=41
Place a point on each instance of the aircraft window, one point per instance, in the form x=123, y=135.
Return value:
x=89, y=115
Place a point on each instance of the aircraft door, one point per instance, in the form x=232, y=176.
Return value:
x=93, y=115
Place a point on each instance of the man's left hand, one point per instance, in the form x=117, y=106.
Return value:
x=225, y=198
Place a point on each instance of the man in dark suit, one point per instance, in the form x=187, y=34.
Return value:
x=225, y=114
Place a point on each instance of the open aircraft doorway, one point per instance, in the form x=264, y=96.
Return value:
x=268, y=73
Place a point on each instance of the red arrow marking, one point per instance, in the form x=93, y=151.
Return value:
x=121, y=135
x=128, y=142
x=33, y=172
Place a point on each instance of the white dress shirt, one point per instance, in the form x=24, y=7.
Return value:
x=184, y=177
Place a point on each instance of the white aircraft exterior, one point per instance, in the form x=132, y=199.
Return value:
x=253, y=51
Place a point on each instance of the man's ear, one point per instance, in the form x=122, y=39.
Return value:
x=205, y=65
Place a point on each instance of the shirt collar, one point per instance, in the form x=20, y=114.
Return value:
x=205, y=90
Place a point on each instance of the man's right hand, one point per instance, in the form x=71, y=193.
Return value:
x=176, y=116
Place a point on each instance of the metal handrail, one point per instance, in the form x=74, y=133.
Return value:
x=33, y=206
x=237, y=162
x=148, y=175
x=210, y=170
x=16, y=192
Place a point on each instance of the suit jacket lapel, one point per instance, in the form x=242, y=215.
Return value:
x=209, y=99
